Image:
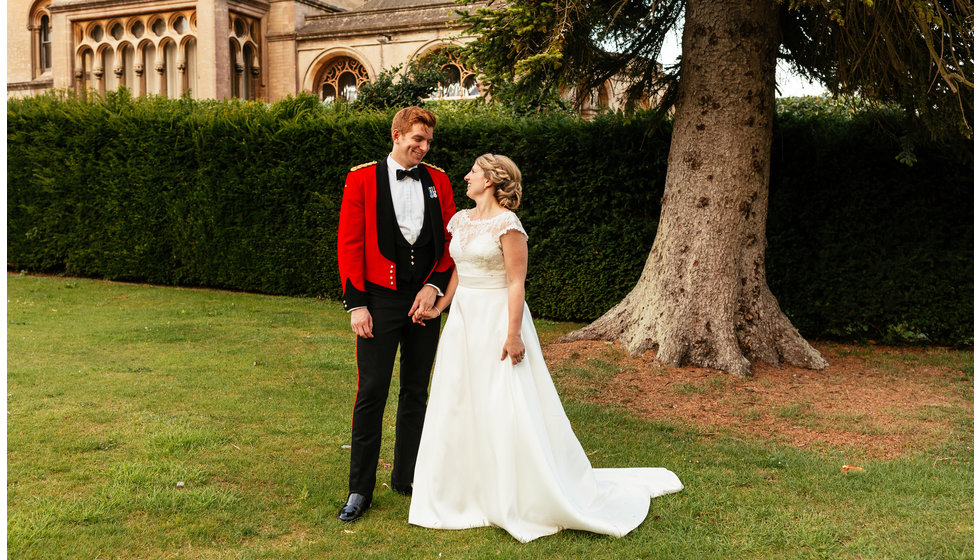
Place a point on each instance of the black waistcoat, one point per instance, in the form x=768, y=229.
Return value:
x=414, y=261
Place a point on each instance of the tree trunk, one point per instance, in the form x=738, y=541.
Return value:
x=703, y=298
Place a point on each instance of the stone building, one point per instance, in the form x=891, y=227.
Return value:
x=250, y=49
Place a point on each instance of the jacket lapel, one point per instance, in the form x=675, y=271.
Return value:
x=387, y=223
x=433, y=211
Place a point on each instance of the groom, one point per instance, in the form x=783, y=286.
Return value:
x=393, y=254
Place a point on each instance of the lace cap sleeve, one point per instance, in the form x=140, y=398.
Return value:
x=453, y=222
x=509, y=222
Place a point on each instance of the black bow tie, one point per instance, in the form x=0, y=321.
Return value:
x=414, y=173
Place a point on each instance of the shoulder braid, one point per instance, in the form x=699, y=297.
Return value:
x=363, y=165
x=434, y=167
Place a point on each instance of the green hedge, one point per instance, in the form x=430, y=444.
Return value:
x=861, y=245
x=245, y=196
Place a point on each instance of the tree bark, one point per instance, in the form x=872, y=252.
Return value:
x=703, y=299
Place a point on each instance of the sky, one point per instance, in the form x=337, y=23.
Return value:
x=789, y=83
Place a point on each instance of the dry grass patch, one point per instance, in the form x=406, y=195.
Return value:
x=883, y=401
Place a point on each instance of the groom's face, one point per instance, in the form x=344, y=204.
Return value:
x=410, y=147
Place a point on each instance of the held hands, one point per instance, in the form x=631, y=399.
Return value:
x=420, y=318
x=422, y=307
x=513, y=347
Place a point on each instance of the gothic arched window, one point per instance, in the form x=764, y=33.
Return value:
x=40, y=27
x=458, y=81
x=44, y=43
x=150, y=54
x=246, y=71
x=451, y=81
x=341, y=77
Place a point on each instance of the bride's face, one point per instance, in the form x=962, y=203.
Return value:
x=476, y=182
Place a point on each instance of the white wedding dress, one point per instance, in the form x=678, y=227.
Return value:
x=497, y=448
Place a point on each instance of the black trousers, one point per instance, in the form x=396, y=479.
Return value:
x=393, y=329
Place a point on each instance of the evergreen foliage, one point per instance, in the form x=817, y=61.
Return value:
x=245, y=196
x=916, y=53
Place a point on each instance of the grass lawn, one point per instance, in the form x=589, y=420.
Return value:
x=153, y=422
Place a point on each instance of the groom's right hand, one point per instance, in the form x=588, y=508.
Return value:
x=362, y=323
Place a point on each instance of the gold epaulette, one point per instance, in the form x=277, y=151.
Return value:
x=363, y=165
x=434, y=167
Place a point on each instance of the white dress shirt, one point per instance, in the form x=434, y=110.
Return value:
x=409, y=202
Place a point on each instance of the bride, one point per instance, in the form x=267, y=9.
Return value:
x=497, y=448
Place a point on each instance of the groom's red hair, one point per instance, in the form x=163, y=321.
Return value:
x=406, y=118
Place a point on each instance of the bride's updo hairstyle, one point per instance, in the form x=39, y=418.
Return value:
x=505, y=178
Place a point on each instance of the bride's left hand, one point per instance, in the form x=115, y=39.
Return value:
x=513, y=347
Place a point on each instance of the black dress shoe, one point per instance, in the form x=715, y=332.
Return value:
x=355, y=507
x=403, y=490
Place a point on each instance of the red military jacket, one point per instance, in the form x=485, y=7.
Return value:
x=366, y=250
